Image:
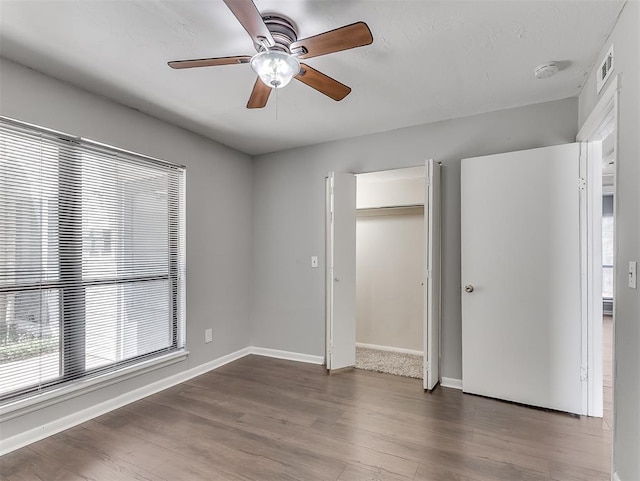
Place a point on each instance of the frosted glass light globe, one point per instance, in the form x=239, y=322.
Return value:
x=275, y=68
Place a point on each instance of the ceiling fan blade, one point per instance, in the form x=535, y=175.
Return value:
x=343, y=38
x=259, y=95
x=249, y=17
x=209, y=62
x=322, y=83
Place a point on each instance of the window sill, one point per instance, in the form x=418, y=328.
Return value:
x=24, y=406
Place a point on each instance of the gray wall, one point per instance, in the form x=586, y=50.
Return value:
x=219, y=217
x=389, y=267
x=626, y=38
x=288, y=310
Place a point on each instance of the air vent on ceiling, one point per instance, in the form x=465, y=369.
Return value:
x=604, y=70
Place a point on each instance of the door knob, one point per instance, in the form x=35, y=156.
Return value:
x=468, y=288
x=336, y=279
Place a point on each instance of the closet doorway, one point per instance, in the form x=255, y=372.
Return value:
x=390, y=256
x=383, y=272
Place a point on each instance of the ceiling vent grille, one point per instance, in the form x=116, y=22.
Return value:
x=604, y=70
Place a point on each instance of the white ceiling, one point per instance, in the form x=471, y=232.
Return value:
x=429, y=60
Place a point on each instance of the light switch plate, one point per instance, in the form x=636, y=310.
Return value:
x=208, y=335
x=633, y=275
x=314, y=261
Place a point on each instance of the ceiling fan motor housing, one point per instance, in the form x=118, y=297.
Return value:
x=283, y=31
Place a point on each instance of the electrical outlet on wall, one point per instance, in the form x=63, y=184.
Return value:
x=208, y=335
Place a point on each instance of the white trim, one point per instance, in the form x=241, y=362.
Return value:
x=49, y=429
x=399, y=350
x=24, y=406
x=451, y=383
x=432, y=278
x=595, y=380
x=287, y=355
x=616, y=477
x=602, y=120
x=591, y=126
x=586, y=222
x=328, y=277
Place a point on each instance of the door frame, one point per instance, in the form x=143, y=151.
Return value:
x=431, y=271
x=432, y=277
x=328, y=293
x=602, y=119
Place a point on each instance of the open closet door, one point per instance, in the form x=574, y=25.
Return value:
x=341, y=271
x=431, y=373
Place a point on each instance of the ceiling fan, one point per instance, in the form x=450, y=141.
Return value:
x=275, y=38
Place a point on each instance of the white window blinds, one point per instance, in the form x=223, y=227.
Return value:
x=91, y=259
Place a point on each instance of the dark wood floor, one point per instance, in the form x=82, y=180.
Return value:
x=268, y=419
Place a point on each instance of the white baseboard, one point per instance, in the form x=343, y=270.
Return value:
x=290, y=356
x=390, y=349
x=616, y=477
x=82, y=387
x=451, y=383
x=49, y=429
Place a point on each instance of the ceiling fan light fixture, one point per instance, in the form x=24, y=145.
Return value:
x=275, y=68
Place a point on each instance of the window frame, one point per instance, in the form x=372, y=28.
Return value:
x=72, y=382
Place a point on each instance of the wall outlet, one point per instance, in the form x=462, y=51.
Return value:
x=314, y=261
x=208, y=335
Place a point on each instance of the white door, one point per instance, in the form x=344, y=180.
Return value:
x=431, y=344
x=341, y=271
x=521, y=277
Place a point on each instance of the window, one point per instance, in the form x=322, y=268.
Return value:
x=607, y=248
x=91, y=259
